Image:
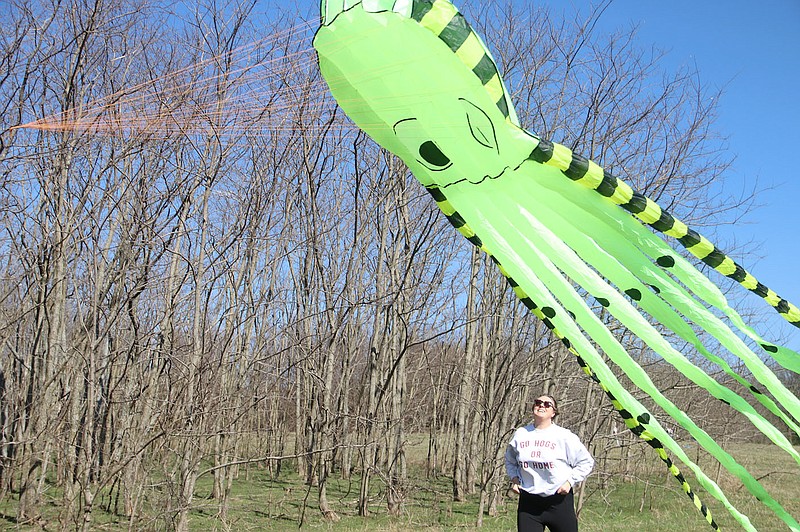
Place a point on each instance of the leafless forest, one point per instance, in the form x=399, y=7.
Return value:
x=206, y=267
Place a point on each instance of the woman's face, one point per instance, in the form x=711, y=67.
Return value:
x=543, y=408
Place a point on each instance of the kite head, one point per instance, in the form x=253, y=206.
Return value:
x=415, y=77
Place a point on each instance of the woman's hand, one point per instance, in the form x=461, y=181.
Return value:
x=564, y=489
x=515, y=485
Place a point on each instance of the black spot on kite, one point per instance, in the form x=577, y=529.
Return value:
x=432, y=154
x=739, y=274
x=761, y=290
x=770, y=348
x=549, y=312
x=475, y=241
x=634, y=294
x=577, y=167
x=437, y=194
x=456, y=220
x=665, y=261
x=603, y=301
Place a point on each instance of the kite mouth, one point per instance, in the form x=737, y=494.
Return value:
x=479, y=181
x=490, y=177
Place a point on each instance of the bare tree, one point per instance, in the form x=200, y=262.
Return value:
x=207, y=269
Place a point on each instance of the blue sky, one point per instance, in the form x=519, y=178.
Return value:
x=752, y=52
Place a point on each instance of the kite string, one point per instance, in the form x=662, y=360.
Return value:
x=166, y=104
x=169, y=105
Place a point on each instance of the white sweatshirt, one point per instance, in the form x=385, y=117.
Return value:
x=544, y=459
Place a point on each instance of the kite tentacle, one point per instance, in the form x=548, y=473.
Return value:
x=534, y=252
x=621, y=261
x=592, y=176
x=634, y=423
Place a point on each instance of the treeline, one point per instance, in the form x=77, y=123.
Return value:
x=204, y=265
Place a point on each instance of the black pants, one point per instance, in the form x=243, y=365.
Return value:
x=556, y=512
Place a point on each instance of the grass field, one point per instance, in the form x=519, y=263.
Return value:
x=653, y=502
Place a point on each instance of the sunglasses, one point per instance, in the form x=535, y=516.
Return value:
x=546, y=404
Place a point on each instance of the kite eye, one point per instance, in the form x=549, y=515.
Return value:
x=480, y=125
x=431, y=153
x=417, y=140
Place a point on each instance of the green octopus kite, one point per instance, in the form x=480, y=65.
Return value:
x=415, y=77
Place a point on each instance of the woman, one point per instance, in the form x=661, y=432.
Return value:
x=545, y=462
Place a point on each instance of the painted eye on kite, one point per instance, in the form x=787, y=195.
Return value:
x=418, y=141
x=431, y=154
x=480, y=125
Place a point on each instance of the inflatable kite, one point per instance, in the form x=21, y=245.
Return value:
x=414, y=76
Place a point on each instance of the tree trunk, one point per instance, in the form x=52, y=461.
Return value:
x=465, y=389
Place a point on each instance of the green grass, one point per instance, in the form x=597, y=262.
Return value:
x=652, y=502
